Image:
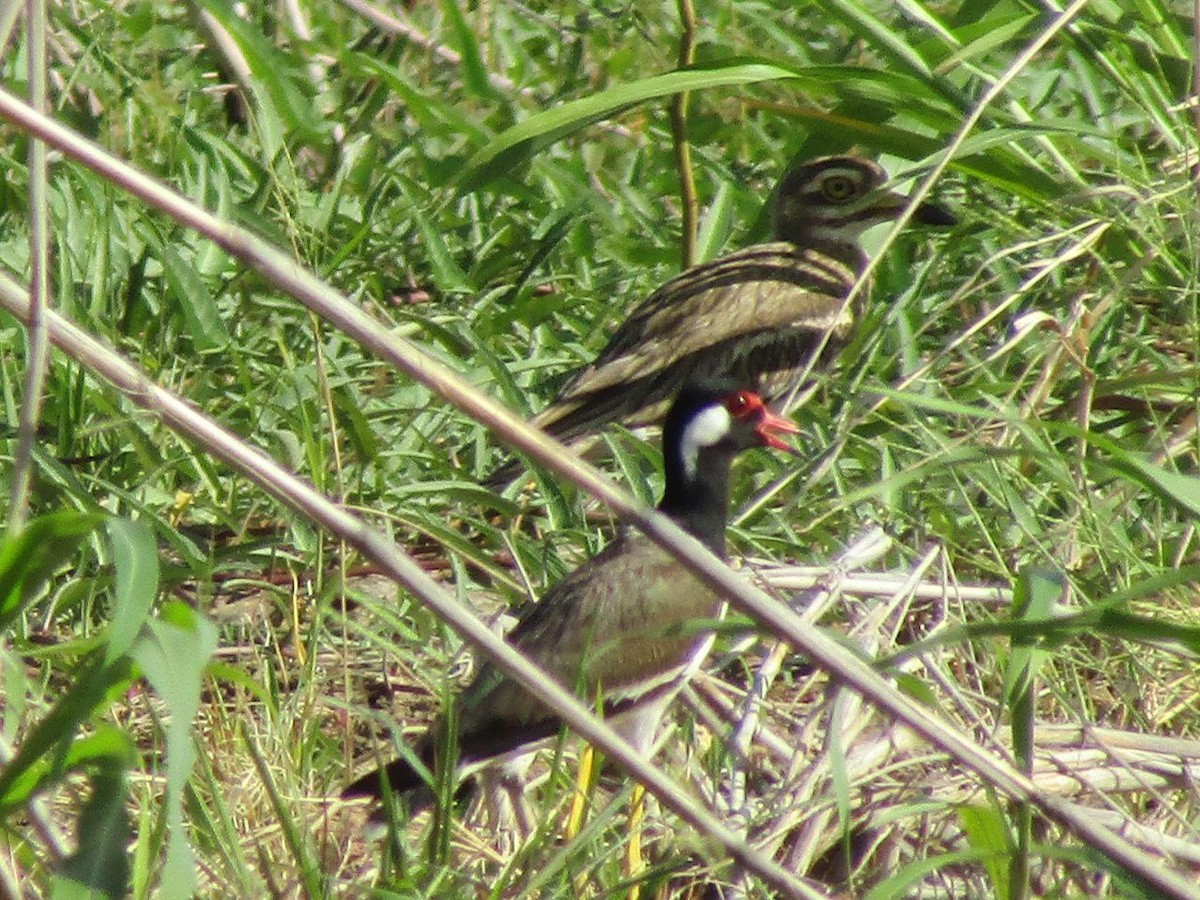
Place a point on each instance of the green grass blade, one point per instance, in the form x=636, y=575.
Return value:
x=100, y=865
x=135, y=563
x=987, y=835
x=195, y=302
x=45, y=752
x=173, y=656
x=475, y=76
x=519, y=143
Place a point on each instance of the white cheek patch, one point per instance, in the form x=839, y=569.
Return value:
x=851, y=172
x=710, y=426
x=842, y=230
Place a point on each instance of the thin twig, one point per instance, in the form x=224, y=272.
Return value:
x=8, y=23
x=1196, y=87
x=39, y=289
x=390, y=24
x=689, y=208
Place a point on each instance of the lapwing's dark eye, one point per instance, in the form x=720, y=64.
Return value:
x=838, y=187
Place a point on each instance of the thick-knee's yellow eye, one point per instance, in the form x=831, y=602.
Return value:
x=838, y=187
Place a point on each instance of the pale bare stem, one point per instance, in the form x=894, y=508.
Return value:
x=10, y=882
x=738, y=808
x=689, y=208
x=1153, y=838
x=713, y=701
x=9, y=11
x=811, y=606
x=1184, y=547
x=39, y=255
x=881, y=584
x=850, y=730
x=883, y=766
x=824, y=652
x=1196, y=88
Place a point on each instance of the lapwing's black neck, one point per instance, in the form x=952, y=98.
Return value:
x=699, y=501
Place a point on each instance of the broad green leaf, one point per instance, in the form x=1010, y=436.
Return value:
x=197, y=305
x=716, y=225
x=47, y=748
x=104, y=745
x=135, y=559
x=358, y=429
x=1127, y=626
x=1036, y=593
x=917, y=688
x=1170, y=579
x=1180, y=489
x=1034, y=599
x=991, y=35
x=903, y=882
x=882, y=35
x=517, y=303
x=838, y=770
x=1101, y=620
x=447, y=273
x=919, y=12
x=520, y=142
x=173, y=655
x=986, y=834
x=434, y=113
x=277, y=91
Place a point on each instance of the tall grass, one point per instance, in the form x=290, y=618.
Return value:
x=500, y=184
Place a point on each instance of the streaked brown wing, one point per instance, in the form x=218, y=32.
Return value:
x=755, y=311
x=707, y=290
